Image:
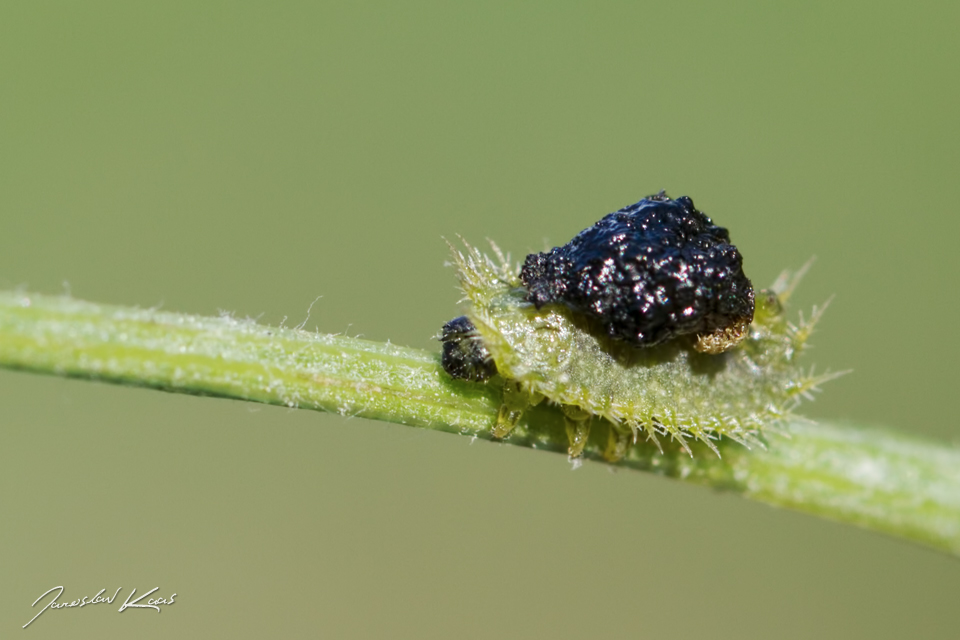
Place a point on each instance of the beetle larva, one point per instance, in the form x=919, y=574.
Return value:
x=645, y=320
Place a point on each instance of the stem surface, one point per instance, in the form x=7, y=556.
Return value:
x=874, y=478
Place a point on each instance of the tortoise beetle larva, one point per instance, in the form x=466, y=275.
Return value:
x=644, y=319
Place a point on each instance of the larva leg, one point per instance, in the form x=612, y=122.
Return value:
x=618, y=442
x=578, y=428
x=515, y=402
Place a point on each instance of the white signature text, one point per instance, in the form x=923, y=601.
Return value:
x=129, y=603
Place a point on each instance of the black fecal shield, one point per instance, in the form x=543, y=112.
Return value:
x=646, y=273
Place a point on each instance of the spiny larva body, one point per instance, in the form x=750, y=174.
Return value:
x=747, y=379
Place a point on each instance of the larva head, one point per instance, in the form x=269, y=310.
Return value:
x=464, y=355
x=647, y=273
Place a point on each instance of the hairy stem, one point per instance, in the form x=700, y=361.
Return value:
x=873, y=478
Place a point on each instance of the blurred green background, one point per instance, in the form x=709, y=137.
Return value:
x=250, y=157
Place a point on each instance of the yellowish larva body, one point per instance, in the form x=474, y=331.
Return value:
x=670, y=390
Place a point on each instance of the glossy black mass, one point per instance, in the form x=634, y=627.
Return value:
x=646, y=273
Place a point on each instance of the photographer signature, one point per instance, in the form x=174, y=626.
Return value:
x=152, y=603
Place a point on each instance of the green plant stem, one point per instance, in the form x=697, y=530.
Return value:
x=889, y=482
